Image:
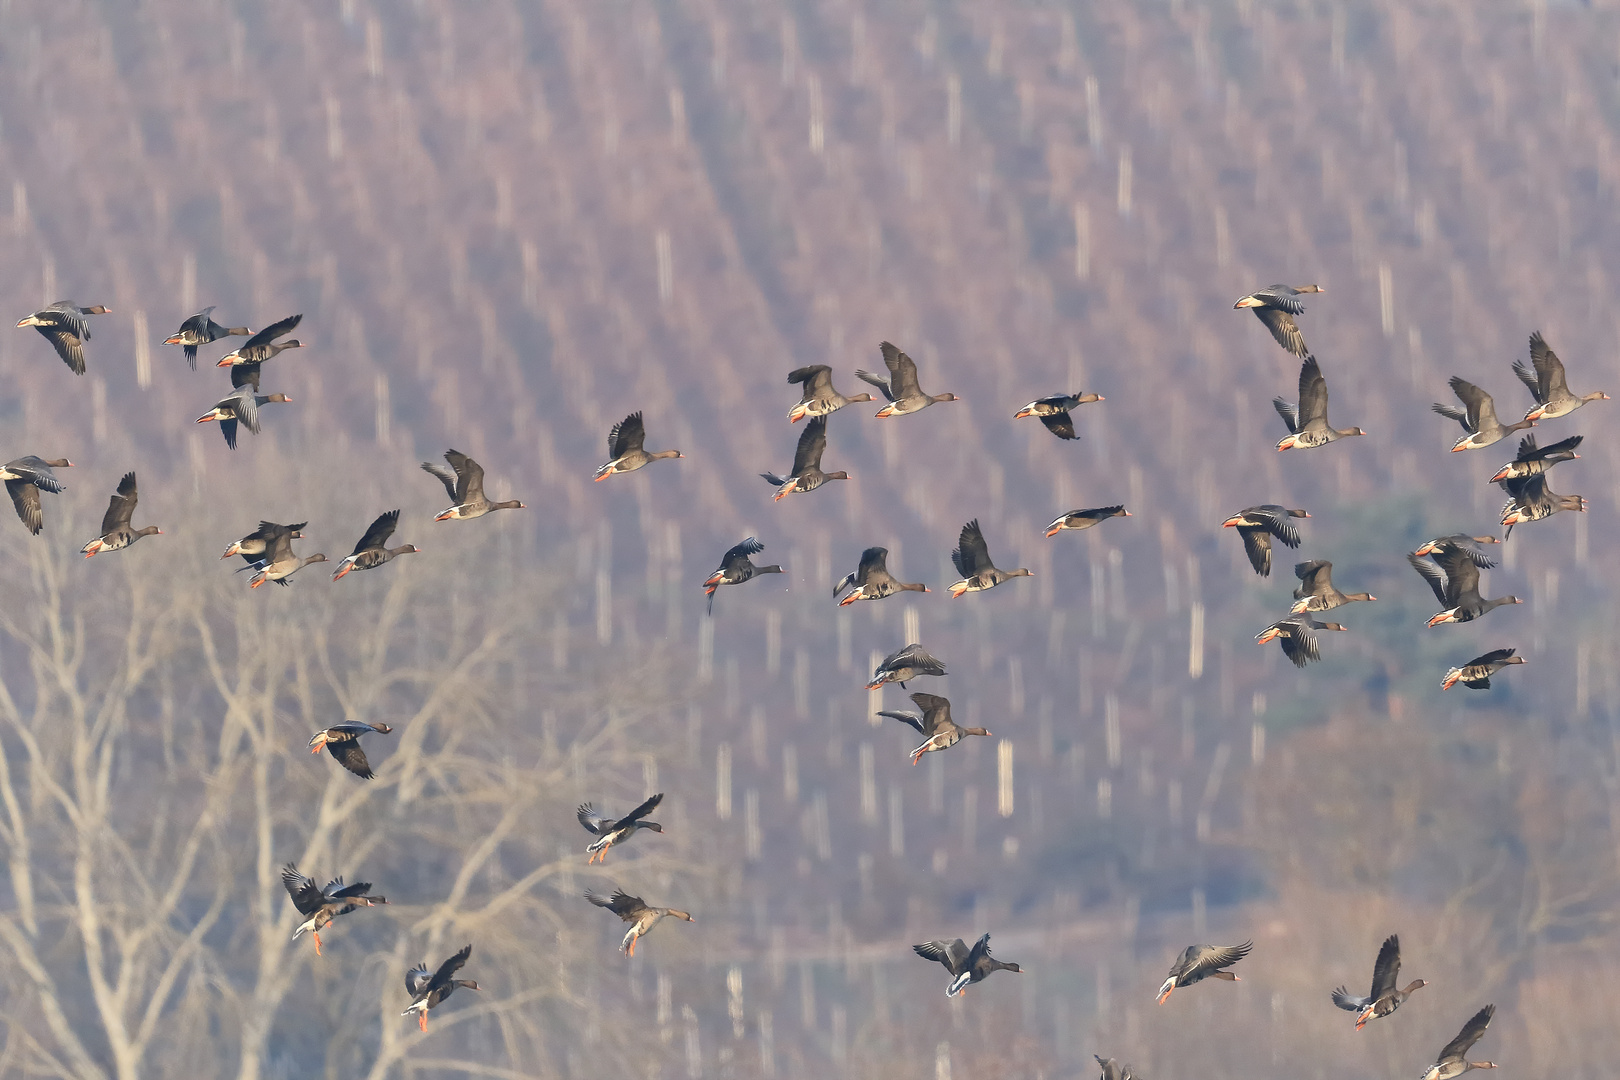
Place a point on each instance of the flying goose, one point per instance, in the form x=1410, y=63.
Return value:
x=736, y=567
x=1385, y=997
x=935, y=723
x=900, y=388
x=807, y=474
x=1257, y=525
x=466, y=487
x=1199, y=962
x=1053, y=411
x=820, y=399
x=64, y=325
x=1308, y=423
x=201, y=329
x=872, y=580
x=1276, y=307
x=634, y=910
x=625, y=453
x=967, y=965
x=431, y=991
x=1546, y=383
x=115, y=531
x=25, y=478
x=1476, y=674
x=972, y=559
x=1478, y=418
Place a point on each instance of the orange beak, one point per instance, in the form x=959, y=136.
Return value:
x=172, y=341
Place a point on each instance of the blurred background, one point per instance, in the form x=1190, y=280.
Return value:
x=510, y=224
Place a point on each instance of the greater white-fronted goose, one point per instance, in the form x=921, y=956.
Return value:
x=1308, y=424
x=201, y=329
x=966, y=965
x=1113, y=1070
x=279, y=563
x=872, y=580
x=115, y=531
x=1532, y=500
x=807, y=474
x=900, y=388
x=1533, y=459
x=903, y=666
x=1476, y=674
x=736, y=567
x=321, y=906
x=1276, y=307
x=1385, y=996
x=1468, y=545
x=373, y=551
x=972, y=558
x=1454, y=577
x=940, y=732
x=1053, y=411
x=1478, y=417
x=1085, y=519
x=820, y=399
x=1546, y=383
x=464, y=480
x=1316, y=591
x=64, y=325
x=1257, y=525
x=25, y=478
x=1296, y=635
x=634, y=910
x=342, y=741
x=263, y=346
x=253, y=546
x=431, y=991
x=241, y=405
x=609, y=831
x=1199, y=962
x=1453, y=1060
x=625, y=453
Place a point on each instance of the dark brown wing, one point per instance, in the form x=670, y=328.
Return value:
x=627, y=435
x=1283, y=328
x=246, y=375
x=936, y=711
x=351, y=757
x=817, y=379
x=953, y=954
x=1209, y=958
x=640, y=812
x=873, y=560
x=1315, y=577
x=1257, y=543
x=26, y=498
x=621, y=903
x=122, y=506
x=902, y=372
x=469, y=476
x=1387, y=968
x=271, y=332
x=1549, y=369
x=971, y=554
x=306, y=896
x=1060, y=424
x=447, y=970
x=68, y=345
x=1313, y=394
x=1462, y=576
x=737, y=556
x=909, y=719
x=811, y=445
x=1469, y=1035
x=1481, y=409
x=379, y=532
x=1495, y=656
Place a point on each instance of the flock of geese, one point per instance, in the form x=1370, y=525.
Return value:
x=1451, y=565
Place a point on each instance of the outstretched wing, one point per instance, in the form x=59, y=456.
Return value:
x=902, y=371
x=271, y=332
x=417, y=979
x=909, y=718
x=379, y=532
x=306, y=896
x=953, y=954
x=1431, y=574
x=1214, y=957
x=351, y=757
x=627, y=435
x=641, y=811
x=812, y=443
x=1549, y=369
x=1387, y=968
x=873, y=560
x=446, y=477
x=469, y=476
x=1060, y=424
x=817, y=379
x=1282, y=326
x=1469, y=1035
x=1495, y=656
x=448, y=969
x=621, y=903
x=594, y=823
x=737, y=555
x=1313, y=394
x=122, y=506
x=246, y=375
x=936, y=711
x=971, y=554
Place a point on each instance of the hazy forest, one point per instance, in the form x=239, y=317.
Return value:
x=509, y=223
